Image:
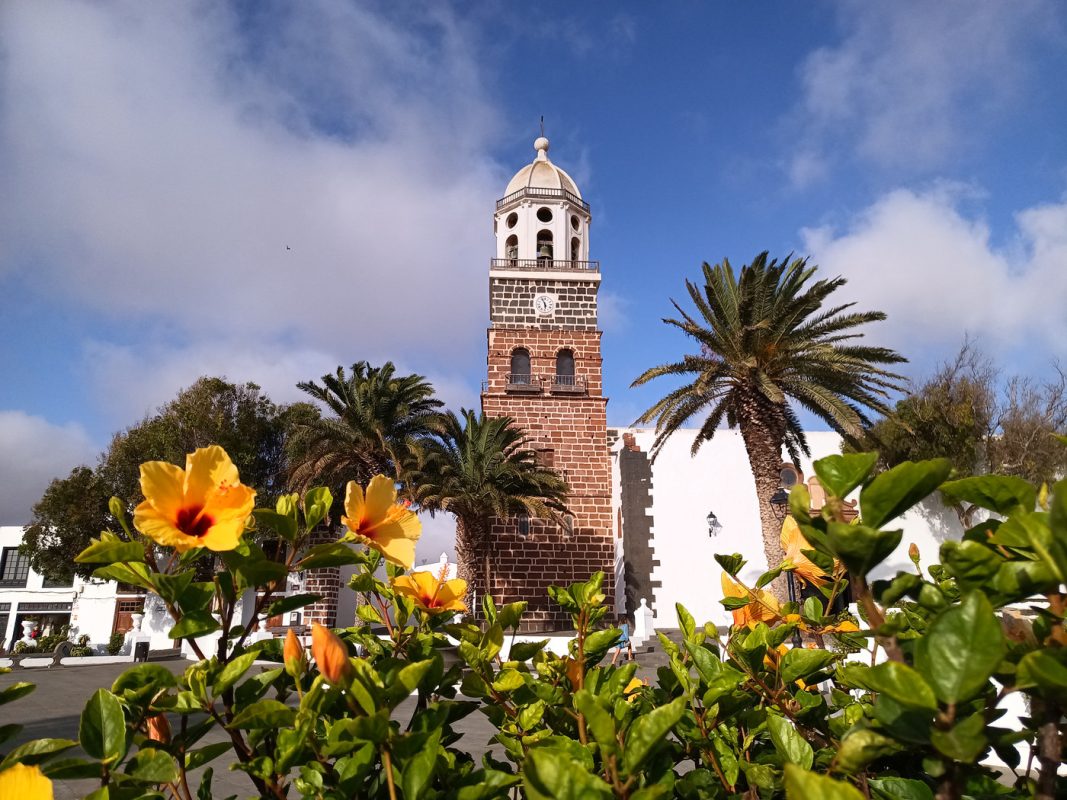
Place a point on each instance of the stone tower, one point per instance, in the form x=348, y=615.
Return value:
x=544, y=370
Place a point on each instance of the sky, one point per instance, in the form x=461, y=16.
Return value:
x=266, y=190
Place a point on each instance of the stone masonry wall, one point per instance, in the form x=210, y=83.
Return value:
x=570, y=431
x=511, y=303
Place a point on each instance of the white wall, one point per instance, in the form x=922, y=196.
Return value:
x=685, y=488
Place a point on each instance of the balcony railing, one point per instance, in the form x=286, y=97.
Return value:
x=550, y=194
x=545, y=264
x=535, y=384
x=567, y=384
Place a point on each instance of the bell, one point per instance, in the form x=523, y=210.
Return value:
x=545, y=251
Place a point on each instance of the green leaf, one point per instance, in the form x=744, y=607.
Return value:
x=896, y=490
x=732, y=564
x=1001, y=494
x=964, y=742
x=961, y=649
x=902, y=683
x=549, y=774
x=685, y=621
x=899, y=789
x=143, y=680
x=282, y=524
x=153, y=766
x=195, y=623
x=790, y=744
x=1041, y=669
x=767, y=577
x=283, y=605
x=803, y=785
x=799, y=662
x=861, y=746
x=134, y=573
x=102, y=728
x=508, y=680
x=232, y=672
x=861, y=548
x=171, y=587
x=317, y=504
x=800, y=504
x=330, y=554
x=648, y=731
x=599, y=721
x=971, y=563
x=15, y=691
x=418, y=770
x=194, y=759
x=839, y=475
x=264, y=714
x=524, y=651
x=36, y=751
x=108, y=549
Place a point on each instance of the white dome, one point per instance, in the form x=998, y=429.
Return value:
x=542, y=174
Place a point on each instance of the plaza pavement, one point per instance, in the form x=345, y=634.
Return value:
x=53, y=710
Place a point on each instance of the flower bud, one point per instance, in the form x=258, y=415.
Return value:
x=293, y=655
x=913, y=553
x=330, y=655
x=159, y=728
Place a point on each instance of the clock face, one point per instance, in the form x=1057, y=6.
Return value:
x=544, y=304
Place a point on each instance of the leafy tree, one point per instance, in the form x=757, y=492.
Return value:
x=958, y=413
x=479, y=468
x=767, y=338
x=379, y=422
x=238, y=417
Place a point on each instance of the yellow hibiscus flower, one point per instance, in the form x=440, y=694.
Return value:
x=431, y=593
x=762, y=608
x=793, y=542
x=633, y=688
x=25, y=783
x=376, y=519
x=203, y=505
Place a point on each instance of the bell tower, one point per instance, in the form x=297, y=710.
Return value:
x=544, y=371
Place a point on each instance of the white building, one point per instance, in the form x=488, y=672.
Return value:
x=674, y=514
x=91, y=607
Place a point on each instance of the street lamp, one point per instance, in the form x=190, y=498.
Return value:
x=780, y=508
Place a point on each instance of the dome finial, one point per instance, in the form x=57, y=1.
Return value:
x=541, y=146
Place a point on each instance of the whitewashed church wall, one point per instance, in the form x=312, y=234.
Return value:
x=718, y=479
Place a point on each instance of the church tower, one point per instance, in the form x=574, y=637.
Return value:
x=544, y=370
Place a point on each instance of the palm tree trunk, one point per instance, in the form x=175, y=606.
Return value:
x=763, y=442
x=467, y=557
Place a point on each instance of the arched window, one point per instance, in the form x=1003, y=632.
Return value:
x=565, y=368
x=575, y=248
x=520, y=367
x=544, y=245
x=511, y=247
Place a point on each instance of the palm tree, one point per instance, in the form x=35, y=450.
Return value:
x=380, y=422
x=478, y=469
x=765, y=338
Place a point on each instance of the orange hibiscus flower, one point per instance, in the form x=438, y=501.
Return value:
x=25, y=783
x=793, y=542
x=376, y=519
x=203, y=505
x=431, y=592
x=762, y=607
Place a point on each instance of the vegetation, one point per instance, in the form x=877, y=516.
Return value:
x=379, y=424
x=904, y=705
x=479, y=468
x=767, y=336
x=239, y=417
x=958, y=413
x=115, y=643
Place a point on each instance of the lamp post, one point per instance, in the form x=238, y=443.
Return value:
x=780, y=507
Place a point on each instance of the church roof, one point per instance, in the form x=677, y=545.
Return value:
x=542, y=174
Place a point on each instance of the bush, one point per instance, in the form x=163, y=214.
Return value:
x=81, y=650
x=115, y=643
x=737, y=716
x=21, y=648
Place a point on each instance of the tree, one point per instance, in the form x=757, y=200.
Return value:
x=380, y=422
x=766, y=338
x=479, y=468
x=238, y=417
x=958, y=413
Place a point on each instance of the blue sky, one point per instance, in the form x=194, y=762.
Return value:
x=266, y=190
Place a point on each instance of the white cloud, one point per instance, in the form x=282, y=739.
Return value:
x=911, y=82
x=152, y=375
x=33, y=451
x=317, y=172
x=935, y=272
